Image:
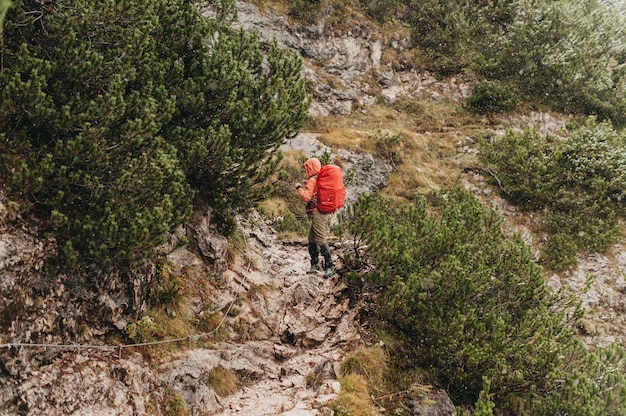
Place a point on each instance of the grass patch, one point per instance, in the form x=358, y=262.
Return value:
x=209, y=322
x=223, y=381
x=420, y=138
x=168, y=293
x=354, y=399
x=169, y=315
x=370, y=363
x=159, y=326
x=175, y=404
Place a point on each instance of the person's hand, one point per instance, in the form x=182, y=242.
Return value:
x=298, y=185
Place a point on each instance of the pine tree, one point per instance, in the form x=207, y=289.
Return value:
x=468, y=301
x=114, y=116
x=241, y=100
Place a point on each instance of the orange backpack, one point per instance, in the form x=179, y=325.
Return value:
x=331, y=192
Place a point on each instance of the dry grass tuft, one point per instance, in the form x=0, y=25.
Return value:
x=370, y=363
x=354, y=399
x=346, y=138
x=273, y=207
x=223, y=381
x=419, y=138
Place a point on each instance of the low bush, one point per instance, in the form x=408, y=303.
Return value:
x=468, y=300
x=111, y=143
x=579, y=183
x=491, y=97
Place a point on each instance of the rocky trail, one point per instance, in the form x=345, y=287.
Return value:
x=310, y=327
x=284, y=334
x=295, y=328
x=286, y=337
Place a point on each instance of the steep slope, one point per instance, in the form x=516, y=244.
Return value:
x=298, y=325
x=287, y=331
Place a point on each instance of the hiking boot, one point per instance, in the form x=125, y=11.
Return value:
x=314, y=269
x=329, y=272
x=314, y=252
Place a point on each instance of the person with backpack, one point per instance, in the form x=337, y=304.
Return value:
x=321, y=182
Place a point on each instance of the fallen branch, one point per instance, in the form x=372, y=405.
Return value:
x=488, y=171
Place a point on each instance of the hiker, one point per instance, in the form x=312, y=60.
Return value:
x=319, y=220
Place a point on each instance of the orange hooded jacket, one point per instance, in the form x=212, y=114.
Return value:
x=309, y=192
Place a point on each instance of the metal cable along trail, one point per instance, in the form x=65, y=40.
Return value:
x=141, y=344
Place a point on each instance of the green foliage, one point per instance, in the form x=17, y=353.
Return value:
x=388, y=145
x=484, y=406
x=145, y=330
x=579, y=182
x=566, y=54
x=559, y=252
x=175, y=403
x=440, y=28
x=592, y=383
x=563, y=53
x=115, y=116
x=82, y=142
x=354, y=399
x=167, y=291
x=4, y=6
x=286, y=220
x=305, y=10
x=522, y=164
x=370, y=363
x=491, y=97
x=382, y=10
x=255, y=98
x=469, y=300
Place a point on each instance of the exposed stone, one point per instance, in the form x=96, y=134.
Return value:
x=350, y=59
x=435, y=403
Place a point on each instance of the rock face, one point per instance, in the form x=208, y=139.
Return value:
x=42, y=302
x=345, y=64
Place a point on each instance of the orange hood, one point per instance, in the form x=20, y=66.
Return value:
x=312, y=166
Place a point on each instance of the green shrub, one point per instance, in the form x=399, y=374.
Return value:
x=562, y=54
x=469, y=300
x=491, y=97
x=4, y=6
x=175, y=403
x=592, y=383
x=85, y=151
x=307, y=11
x=484, y=406
x=441, y=29
x=559, y=252
x=388, y=145
x=522, y=167
x=382, y=10
x=115, y=117
x=287, y=221
x=580, y=183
